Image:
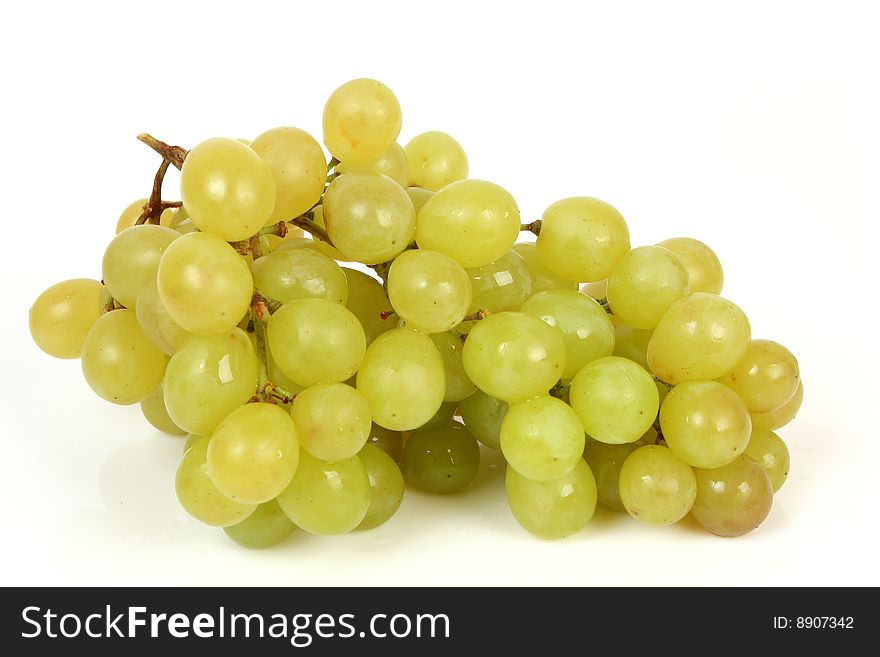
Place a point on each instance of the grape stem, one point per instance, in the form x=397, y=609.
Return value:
x=332, y=164
x=306, y=221
x=559, y=390
x=385, y=314
x=477, y=316
x=603, y=301
x=173, y=154
x=155, y=206
x=534, y=227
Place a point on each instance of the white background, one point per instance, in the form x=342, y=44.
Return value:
x=751, y=125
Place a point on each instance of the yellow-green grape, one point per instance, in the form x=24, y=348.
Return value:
x=369, y=217
x=386, y=486
x=155, y=321
x=402, y=378
x=605, y=462
x=483, y=415
x=253, y=453
x=361, y=121
x=458, y=385
x=766, y=377
x=292, y=233
x=299, y=274
x=333, y=420
x=443, y=460
x=227, y=189
x=656, y=487
x=429, y=290
x=309, y=243
x=153, y=408
x=367, y=300
x=390, y=442
x=701, y=337
x=513, y=356
x=770, y=452
x=474, y=222
x=435, y=160
x=185, y=227
x=443, y=416
x=130, y=215
x=616, y=400
x=596, y=289
x=703, y=266
x=734, y=499
x=500, y=285
x=542, y=277
x=208, y=378
x=204, y=284
x=418, y=196
x=265, y=527
x=316, y=341
x=542, y=438
x=299, y=171
x=63, y=315
x=644, y=283
x=118, y=361
x=555, y=508
x=191, y=439
x=632, y=343
x=327, y=498
x=705, y=423
x=132, y=259
x=582, y=238
x=782, y=415
x=198, y=495
x=586, y=329
x=391, y=163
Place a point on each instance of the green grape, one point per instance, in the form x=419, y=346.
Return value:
x=435, y=160
x=582, y=239
x=513, y=356
x=441, y=461
x=327, y=498
x=616, y=400
x=208, y=378
x=586, y=329
x=386, y=486
x=500, y=285
x=605, y=462
x=302, y=242
x=153, y=408
x=596, y=289
x=418, y=196
x=185, y=227
x=766, y=377
x=703, y=267
x=132, y=259
x=542, y=277
x=483, y=415
x=130, y=215
x=450, y=347
x=705, y=423
x=632, y=343
x=118, y=361
x=316, y=341
x=474, y=222
x=542, y=438
x=391, y=163
x=253, y=453
x=332, y=419
x=156, y=323
x=205, y=285
x=369, y=217
x=299, y=274
x=782, y=415
x=191, y=439
x=656, y=487
x=274, y=241
x=443, y=416
x=170, y=217
x=199, y=496
x=428, y=290
x=265, y=527
x=734, y=499
x=63, y=315
x=367, y=300
x=770, y=452
x=644, y=283
x=227, y=189
x=299, y=171
x=361, y=121
x=390, y=442
x=403, y=379
x=556, y=508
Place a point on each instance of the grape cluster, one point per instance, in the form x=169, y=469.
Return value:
x=310, y=392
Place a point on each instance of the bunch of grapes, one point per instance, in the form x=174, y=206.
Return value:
x=310, y=392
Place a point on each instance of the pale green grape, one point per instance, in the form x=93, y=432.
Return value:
x=458, y=385
x=205, y=286
x=170, y=217
x=130, y=215
x=542, y=277
x=265, y=527
x=555, y=508
x=153, y=408
x=132, y=259
x=782, y=415
x=402, y=378
x=500, y=285
x=656, y=487
x=327, y=498
x=155, y=321
x=616, y=400
x=316, y=341
x=227, y=189
x=605, y=462
x=299, y=274
x=513, y=356
x=705, y=423
x=429, y=290
x=418, y=196
x=586, y=329
x=442, y=460
x=390, y=442
x=391, y=163
x=435, y=160
x=632, y=344
x=386, y=486
x=582, y=238
x=63, y=315
x=185, y=227
x=443, y=416
x=208, y=378
x=766, y=377
x=703, y=267
x=483, y=415
x=367, y=300
x=770, y=452
x=542, y=438
x=734, y=499
x=303, y=242
x=191, y=439
x=273, y=241
x=333, y=420
x=644, y=283
x=361, y=121
x=596, y=289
